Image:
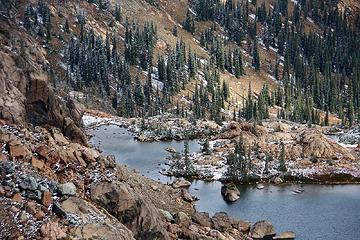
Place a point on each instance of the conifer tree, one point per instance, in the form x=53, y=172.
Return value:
x=138, y=93
x=188, y=166
x=282, y=166
x=206, y=147
x=256, y=57
x=117, y=13
x=175, y=31
x=66, y=26
x=189, y=24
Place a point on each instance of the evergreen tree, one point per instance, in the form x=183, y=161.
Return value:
x=175, y=31
x=138, y=93
x=189, y=24
x=66, y=26
x=256, y=57
x=238, y=162
x=206, y=147
x=117, y=13
x=282, y=166
x=326, y=120
x=188, y=166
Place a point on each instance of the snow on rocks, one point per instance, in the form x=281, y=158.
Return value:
x=95, y=121
x=350, y=138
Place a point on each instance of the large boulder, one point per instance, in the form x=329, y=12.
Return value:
x=67, y=189
x=131, y=209
x=221, y=222
x=182, y=219
x=242, y=226
x=52, y=231
x=94, y=224
x=180, y=183
x=27, y=183
x=262, y=230
x=230, y=192
x=202, y=218
x=18, y=150
x=315, y=144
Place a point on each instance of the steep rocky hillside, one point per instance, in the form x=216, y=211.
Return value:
x=26, y=92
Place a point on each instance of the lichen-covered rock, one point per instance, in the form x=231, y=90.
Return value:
x=180, y=183
x=262, y=229
x=67, y=189
x=140, y=216
x=230, y=192
x=221, y=221
x=315, y=144
x=94, y=224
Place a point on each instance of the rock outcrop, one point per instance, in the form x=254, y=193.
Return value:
x=26, y=95
x=93, y=224
x=230, y=192
x=262, y=230
x=136, y=213
x=315, y=144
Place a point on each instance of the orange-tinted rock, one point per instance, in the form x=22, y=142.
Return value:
x=31, y=207
x=17, y=197
x=17, y=150
x=52, y=230
x=36, y=163
x=39, y=215
x=43, y=151
x=2, y=191
x=54, y=158
x=47, y=199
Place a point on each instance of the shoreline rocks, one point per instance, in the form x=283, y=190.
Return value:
x=135, y=207
x=180, y=183
x=262, y=230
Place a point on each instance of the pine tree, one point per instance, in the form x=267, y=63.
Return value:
x=206, y=147
x=282, y=166
x=28, y=17
x=117, y=13
x=175, y=31
x=326, y=120
x=188, y=166
x=238, y=162
x=256, y=57
x=189, y=24
x=138, y=93
x=238, y=65
x=66, y=26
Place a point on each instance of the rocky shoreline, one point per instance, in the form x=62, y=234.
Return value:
x=52, y=188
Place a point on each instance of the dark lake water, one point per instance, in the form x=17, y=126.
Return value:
x=323, y=212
